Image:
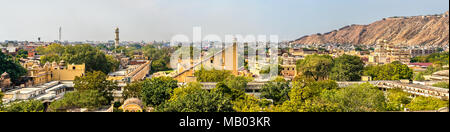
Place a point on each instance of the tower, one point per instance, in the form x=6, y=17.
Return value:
x=117, y=38
x=59, y=37
x=235, y=59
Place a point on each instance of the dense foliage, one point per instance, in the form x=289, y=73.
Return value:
x=156, y=91
x=277, y=90
x=359, y=98
x=435, y=58
x=397, y=100
x=25, y=106
x=306, y=96
x=441, y=85
x=317, y=67
x=160, y=55
x=94, y=59
x=194, y=99
x=213, y=75
x=91, y=91
x=95, y=81
x=13, y=68
x=91, y=99
x=133, y=90
x=347, y=68
x=392, y=71
x=250, y=104
x=421, y=103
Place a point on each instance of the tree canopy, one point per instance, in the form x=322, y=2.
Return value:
x=95, y=81
x=441, y=85
x=317, y=67
x=91, y=91
x=213, y=75
x=160, y=55
x=156, y=91
x=392, y=71
x=25, y=106
x=347, y=68
x=435, y=58
x=277, y=90
x=196, y=99
x=91, y=99
x=13, y=68
x=94, y=59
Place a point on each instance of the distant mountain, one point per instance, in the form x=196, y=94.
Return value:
x=416, y=30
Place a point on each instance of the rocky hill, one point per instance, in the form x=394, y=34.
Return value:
x=416, y=30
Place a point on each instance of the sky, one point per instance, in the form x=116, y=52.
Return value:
x=148, y=20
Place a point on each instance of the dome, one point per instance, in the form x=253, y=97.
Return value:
x=133, y=101
x=132, y=105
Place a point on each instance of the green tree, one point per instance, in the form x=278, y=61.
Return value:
x=248, y=104
x=204, y=75
x=14, y=69
x=50, y=58
x=392, y=71
x=112, y=63
x=238, y=82
x=53, y=49
x=159, y=65
x=94, y=59
x=22, y=54
x=133, y=90
x=359, y=98
x=306, y=96
x=190, y=88
x=317, y=67
x=91, y=99
x=277, y=90
x=435, y=58
x=159, y=54
x=419, y=76
x=347, y=68
x=426, y=103
x=95, y=81
x=25, y=106
x=229, y=91
x=198, y=100
x=441, y=85
x=156, y=91
x=397, y=100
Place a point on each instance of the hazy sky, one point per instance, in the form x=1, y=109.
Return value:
x=161, y=19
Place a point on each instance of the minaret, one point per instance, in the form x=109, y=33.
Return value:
x=117, y=38
x=60, y=29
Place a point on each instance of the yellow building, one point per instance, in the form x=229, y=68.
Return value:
x=386, y=52
x=53, y=72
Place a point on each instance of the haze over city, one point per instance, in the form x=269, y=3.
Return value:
x=150, y=20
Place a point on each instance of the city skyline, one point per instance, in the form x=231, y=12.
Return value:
x=160, y=20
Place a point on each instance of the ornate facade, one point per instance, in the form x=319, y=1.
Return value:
x=53, y=71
